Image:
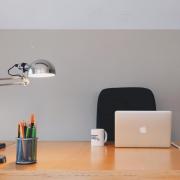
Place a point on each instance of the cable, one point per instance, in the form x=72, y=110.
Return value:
x=23, y=67
x=16, y=65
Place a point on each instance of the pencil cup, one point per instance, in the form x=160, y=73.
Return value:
x=26, y=150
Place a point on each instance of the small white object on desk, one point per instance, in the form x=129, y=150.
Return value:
x=98, y=137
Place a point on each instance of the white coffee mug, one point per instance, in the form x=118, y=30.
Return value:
x=98, y=137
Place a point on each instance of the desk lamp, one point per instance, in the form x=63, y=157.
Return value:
x=37, y=69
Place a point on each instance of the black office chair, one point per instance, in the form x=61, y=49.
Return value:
x=127, y=98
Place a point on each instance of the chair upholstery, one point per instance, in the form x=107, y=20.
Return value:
x=126, y=98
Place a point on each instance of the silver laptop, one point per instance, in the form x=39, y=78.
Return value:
x=143, y=128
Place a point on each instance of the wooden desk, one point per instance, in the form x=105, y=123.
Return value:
x=77, y=160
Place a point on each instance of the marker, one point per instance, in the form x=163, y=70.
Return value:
x=33, y=132
x=28, y=132
x=32, y=120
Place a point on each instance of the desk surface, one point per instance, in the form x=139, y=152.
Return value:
x=79, y=159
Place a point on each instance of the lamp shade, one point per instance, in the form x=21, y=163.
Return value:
x=41, y=68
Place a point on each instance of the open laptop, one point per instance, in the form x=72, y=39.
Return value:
x=143, y=128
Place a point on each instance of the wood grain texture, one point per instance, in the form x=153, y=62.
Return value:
x=78, y=160
x=90, y=175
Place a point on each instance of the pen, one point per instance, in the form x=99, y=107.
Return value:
x=18, y=130
x=25, y=128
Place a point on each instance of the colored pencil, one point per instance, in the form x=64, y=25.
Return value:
x=21, y=129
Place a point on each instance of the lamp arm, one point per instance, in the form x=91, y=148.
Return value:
x=8, y=78
x=14, y=81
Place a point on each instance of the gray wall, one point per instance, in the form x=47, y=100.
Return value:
x=89, y=14
x=86, y=62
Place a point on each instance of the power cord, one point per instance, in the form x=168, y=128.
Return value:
x=23, y=67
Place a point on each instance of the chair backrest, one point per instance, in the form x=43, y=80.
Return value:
x=127, y=98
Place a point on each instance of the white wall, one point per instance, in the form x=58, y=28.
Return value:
x=86, y=62
x=89, y=14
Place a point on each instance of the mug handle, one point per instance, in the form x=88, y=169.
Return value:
x=106, y=136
